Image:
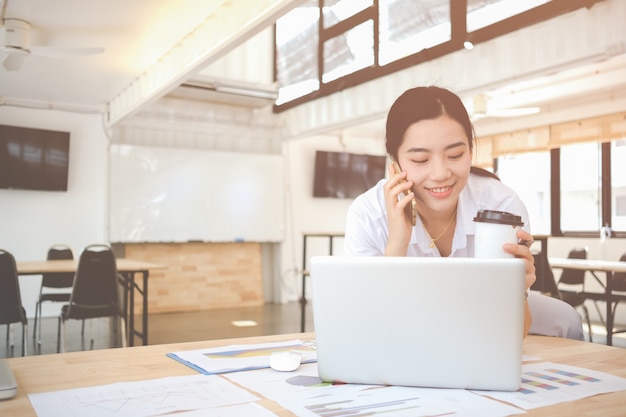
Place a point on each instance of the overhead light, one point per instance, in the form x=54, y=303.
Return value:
x=468, y=45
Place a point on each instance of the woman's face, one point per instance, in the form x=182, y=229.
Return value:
x=436, y=156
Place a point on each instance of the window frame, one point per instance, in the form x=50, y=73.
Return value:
x=459, y=34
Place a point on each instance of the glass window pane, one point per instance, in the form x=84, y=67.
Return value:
x=618, y=185
x=482, y=13
x=532, y=185
x=296, y=52
x=580, y=187
x=349, y=52
x=336, y=11
x=408, y=26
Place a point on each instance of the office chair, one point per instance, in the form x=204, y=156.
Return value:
x=94, y=293
x=545, y=282
x=618, y=284
x=571, y=286
x=51, y=282
x=11, y=309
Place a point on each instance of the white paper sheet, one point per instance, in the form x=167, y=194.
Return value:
x=142, y=398
x=304, y=394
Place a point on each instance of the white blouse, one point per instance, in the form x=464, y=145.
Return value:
x=367, y=231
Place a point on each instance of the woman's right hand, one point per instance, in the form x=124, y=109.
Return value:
x=398, y=196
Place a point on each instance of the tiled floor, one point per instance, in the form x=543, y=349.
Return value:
x=206, y=325
x=175, y=327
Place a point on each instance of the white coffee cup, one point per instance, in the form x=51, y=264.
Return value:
x=492, y=230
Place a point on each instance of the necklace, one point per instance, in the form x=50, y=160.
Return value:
x=435, y=239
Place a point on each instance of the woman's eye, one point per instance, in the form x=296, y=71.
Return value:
x=457, y=156
x=419, y=161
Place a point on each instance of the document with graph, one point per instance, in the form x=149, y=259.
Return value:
x=235, y=358
x=143, y=398
x=548, y=383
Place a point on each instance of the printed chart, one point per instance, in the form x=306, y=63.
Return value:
x=549, y=383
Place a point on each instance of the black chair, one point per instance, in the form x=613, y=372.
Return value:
x=94, y=293
x=11, y=309
x=618, y=284
x=51, y=283
x=545, y=282
x=571, y=286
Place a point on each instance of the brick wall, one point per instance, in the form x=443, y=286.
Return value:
x=200, y=276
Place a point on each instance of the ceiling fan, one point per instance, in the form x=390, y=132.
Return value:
x=16, y=45
x=481, y=107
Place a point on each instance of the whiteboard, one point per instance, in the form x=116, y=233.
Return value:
x=181, y=195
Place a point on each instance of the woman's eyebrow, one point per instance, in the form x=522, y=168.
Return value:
x=447, y=148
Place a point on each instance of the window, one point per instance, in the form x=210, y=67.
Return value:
x=618, y=184
x=571, y=175
x=348, y=52
x=532, y=185
x=296, y=52
x=336, y=11
x=580, y=187
x=482, y=13
x=360, y=40
x=408, y=27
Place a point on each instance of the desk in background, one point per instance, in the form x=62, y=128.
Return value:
x=127, y=268
x=305, y=272
x=45, y=373
x=593, y=265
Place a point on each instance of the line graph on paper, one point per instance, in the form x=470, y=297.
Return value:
x=142, y=399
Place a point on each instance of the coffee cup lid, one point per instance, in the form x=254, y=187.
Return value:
x=500, y=217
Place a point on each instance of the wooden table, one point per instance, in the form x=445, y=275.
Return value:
x=44, y=373
x=127, y=268
x=594, y=265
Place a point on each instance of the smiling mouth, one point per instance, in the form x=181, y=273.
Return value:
x=440, y=190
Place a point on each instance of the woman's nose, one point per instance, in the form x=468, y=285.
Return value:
x=439, y=169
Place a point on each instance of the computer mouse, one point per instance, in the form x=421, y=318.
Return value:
x=285, y=361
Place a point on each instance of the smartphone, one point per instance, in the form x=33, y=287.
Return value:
x=410, y=209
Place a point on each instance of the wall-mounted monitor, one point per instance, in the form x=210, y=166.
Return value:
x=33, y=159
x=346, y=175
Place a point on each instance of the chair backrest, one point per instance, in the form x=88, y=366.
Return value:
x=95, y=283
x=574, y=276
x=619, y=278
x=545, y=278
x=11, y=310
x=58, y=279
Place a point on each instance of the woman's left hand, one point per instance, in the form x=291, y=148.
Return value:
x=522, y=250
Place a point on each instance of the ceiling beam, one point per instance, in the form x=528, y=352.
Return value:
x=228, y=27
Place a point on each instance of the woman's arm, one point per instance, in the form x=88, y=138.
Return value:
x=523, y=251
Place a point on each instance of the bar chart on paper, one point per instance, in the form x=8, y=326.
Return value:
x=547, y=383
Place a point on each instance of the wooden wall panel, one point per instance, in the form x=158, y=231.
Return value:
x=200, y=276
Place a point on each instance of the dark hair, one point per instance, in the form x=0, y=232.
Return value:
x=426, y=103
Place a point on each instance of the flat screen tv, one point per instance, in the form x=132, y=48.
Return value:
x=346, y=175
x=33, y=159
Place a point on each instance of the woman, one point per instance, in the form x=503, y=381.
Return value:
x=430, y=137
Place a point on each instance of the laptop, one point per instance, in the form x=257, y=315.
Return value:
x=426, y=322
x=8, y=385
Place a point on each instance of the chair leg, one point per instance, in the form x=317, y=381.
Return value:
x=8, y=345
x=36, y=337
x=91, y=335
x=60, y=336
x=588, y=322
x=10, y=340
x=25, y=339
x=123, y=331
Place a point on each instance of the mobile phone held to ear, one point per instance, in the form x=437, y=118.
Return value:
x=410, y=209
